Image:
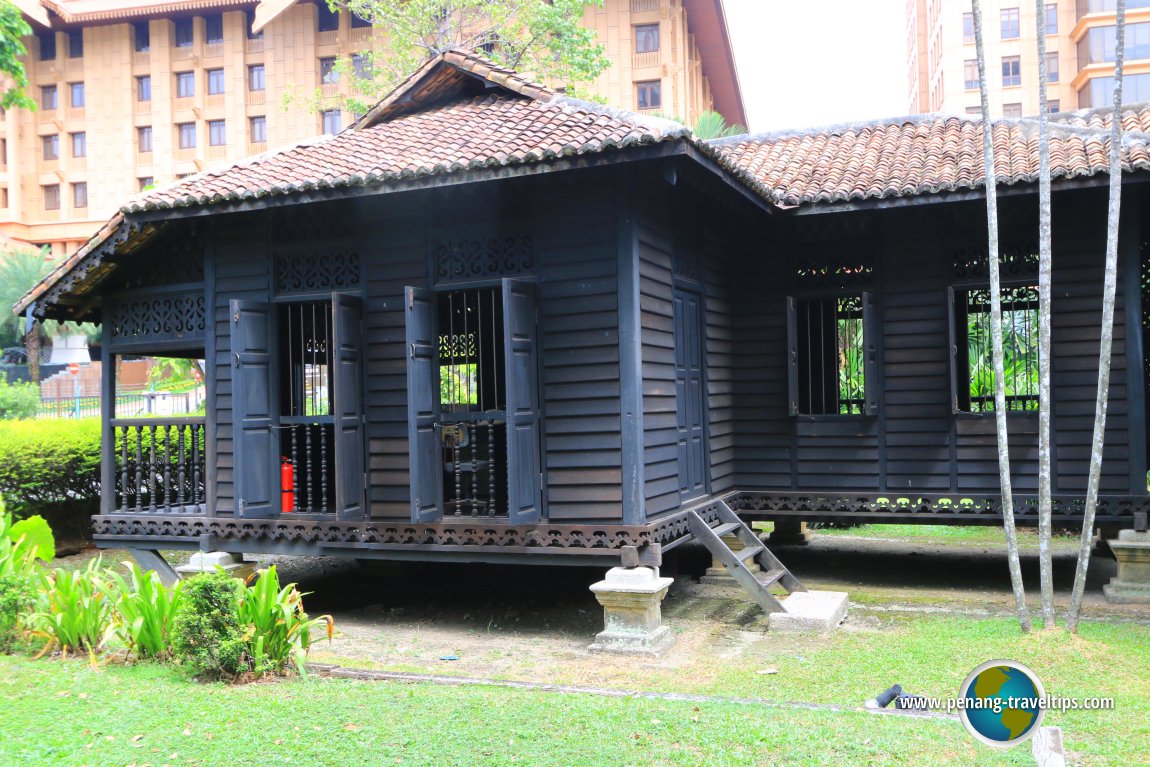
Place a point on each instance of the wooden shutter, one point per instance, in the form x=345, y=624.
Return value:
x=956, y=376
x=255, y=409
x=872, y=335
x=423, y=406
x=524, y=479
x=347, y=389
x=792, y=357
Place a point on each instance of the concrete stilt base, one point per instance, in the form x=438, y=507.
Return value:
x=810, y=612
x=209, y=561
x=717, y=574
x=1132, y=583
x=789, y=532
x=632, y=612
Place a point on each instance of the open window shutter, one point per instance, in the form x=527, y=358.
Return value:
x=872, y=332
x=952, y=323
x=348, y=406
x=792, y=358
x=255, y=409
x=423, y=406
x=524, y=491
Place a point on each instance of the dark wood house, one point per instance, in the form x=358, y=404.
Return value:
x=492, y=323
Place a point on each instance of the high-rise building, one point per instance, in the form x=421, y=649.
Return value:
x=942, y=72
x=133, y=93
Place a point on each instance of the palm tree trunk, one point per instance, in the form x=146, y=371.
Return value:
x=1109, y=290
x=32, y=344
x=1045, y=267
x=996, y=334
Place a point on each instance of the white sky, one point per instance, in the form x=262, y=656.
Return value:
x=805, y=63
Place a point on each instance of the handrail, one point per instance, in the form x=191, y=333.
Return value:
x=190, y=420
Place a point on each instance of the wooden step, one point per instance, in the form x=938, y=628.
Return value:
x=771, y=577
x=726, y=529
x=750, y=552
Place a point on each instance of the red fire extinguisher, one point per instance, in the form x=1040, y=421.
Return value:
x=287, y=483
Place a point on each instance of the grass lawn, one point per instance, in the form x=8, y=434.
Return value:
x=64, y=713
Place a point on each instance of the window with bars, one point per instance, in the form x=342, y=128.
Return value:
x=832, y=355
x=973, y=368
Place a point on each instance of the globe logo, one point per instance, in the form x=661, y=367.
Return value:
x=1001, y=703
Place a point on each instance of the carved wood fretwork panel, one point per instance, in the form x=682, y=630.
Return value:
x=317, y=271
x=462, y=259
x=971, y=262
x=172, y=317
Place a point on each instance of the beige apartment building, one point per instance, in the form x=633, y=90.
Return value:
x=942, y=73
x=140, y=92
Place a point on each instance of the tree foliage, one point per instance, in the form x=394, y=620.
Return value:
x=544, y=38
x=12, y=28
x=712, y=125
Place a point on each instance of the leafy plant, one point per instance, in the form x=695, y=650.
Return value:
x=22, y=543
x=18, y=400
x=145, y=610
x=13, y=29
x=278, y=629
x=75, y=612
x=17, y=597
x=712, y=125
x=51, y=461
x=206, y=633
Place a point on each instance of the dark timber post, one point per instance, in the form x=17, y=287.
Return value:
x=630, y=355
x=107, y=413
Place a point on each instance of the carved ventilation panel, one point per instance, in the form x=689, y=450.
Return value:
x=687, y=264
x=836, y=272
x=173, y=317
x=174, y=259
x=317, y=272
x=478, y=258
x=971, y=263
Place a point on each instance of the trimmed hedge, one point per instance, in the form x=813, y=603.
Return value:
x=49, y=461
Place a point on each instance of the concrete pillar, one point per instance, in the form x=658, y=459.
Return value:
x=632, y=614
x=717, y=574
x=209, y=561
x=1132, y=583
x=789, y=531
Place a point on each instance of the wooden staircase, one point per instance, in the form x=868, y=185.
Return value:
x=773, y=571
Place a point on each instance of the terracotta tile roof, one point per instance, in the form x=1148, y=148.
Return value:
x=91, y=11
x=926, y=154
x=461, y=126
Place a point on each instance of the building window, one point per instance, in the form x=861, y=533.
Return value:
x=327, y=20
x=1054, y=106
x=973, y=364
x=144, y=139
x=145, y=182
x=249, y=22
x=1052, y=18
x=827, y=336
x=1011, y=71
x=185, y=85
x=79, y=144
x=184, y=33
x=1010, y=28
x=47, y=46
x=49, y=97
x=144, y=88
x=80, y=194
x=187, y=133
x=357, y=22
x=328, y=74
x=256, y=77
x=1012, y=110
x=970, y=74
x=1052, y=67
x=332, y=122
x=51, y=196
x=361, y=66
x=649, y=94
x=217, y=133
x=50, y=146
x=258, y=129
x=215, y=82
x=77, y=95
x=214, y=29
x=968, y=27
x=142, y=37
x=647, y=38
x=75, y=43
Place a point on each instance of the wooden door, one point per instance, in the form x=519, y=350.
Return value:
x=690, y=395
x=423, y=406
x=347, y=408
x=524, y=477
x=255, y=409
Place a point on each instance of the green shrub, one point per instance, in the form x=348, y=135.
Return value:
x=21, y=544
x=224, y=628
x=144, y=610
x=17, y=598
x=49, y=461
x=206, y=633
x=74, y=611
x=18, y=400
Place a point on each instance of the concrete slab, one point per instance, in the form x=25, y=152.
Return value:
x=811, y=612
x=211, y=561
